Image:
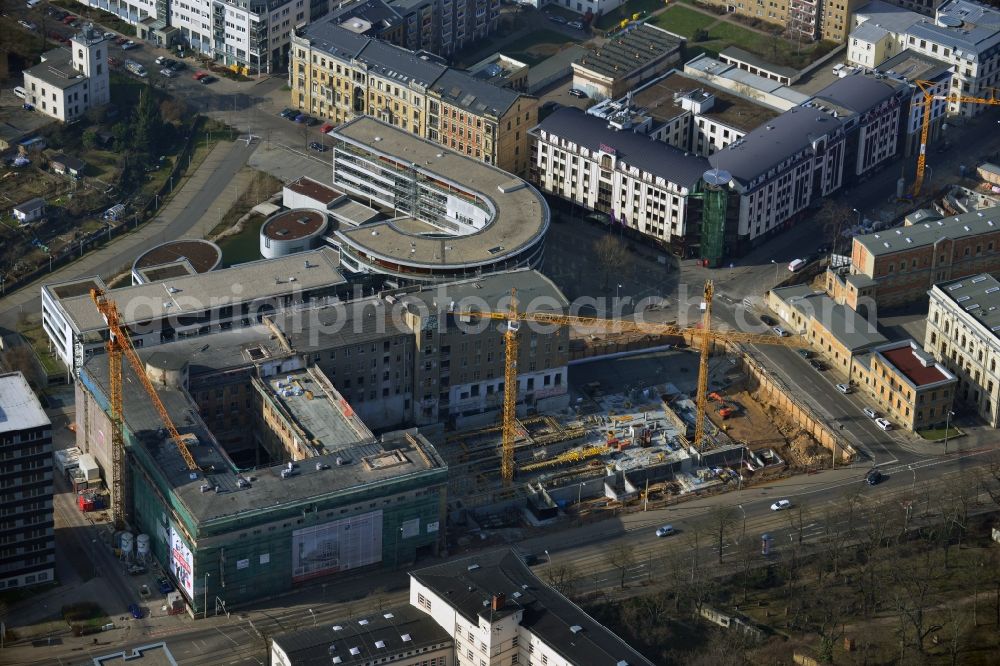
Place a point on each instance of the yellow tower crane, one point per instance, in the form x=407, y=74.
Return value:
x=120, y=344
x=513, y=318
x=925, y=125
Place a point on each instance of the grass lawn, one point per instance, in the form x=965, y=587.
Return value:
x=615, y=16
x=536, y=46
x=85, y=617
x=35, y=335
x=773, y=49
x=682, y=21
x=936, y=434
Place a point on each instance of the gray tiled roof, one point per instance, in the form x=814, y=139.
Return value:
x=869, y=32
x=772, y=143
x=981, y=291
x=928, y=233
x=859, y=92
x=848, y=327
x=478, y=96
x=892, y=18
x=637, y=150
x=399, y=64
x=333, y=39
x=978, y=33
x=376, y=12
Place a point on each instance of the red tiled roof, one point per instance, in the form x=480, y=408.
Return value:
x=910, y=365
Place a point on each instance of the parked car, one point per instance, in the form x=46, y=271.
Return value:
x=177, y=65
x=575, y=24
x=529, y=559
x=845, y=388
x=167, y=62
x=551, y=105
x=129, y=45
x=302, y=118
x=326, y=126
x=666, y=530
x=135, y=611
x=874, y=477
x=555, y=18
x=167, y=72
x=804, y=353
x=69, y=18
x=205, y=80
x=781, y=505
x=884, y=424
x=291, y=113
x=318, y=147
x=198, y=76
x=27, y=25
x=870, y=413
x=114, y=62
x=780, y=332
x=576, y=92
x=110, y=35
x=768, y=320
x=164, y=585
x=817, y=365
x=121, y=40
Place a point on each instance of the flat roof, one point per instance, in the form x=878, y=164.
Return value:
x=174, y=269
x=913, y=66
x=365, y=638
x=314, y=190
x=977, y=295
x=643, y=152
x=631, y=50
x=976, y=31
x=858, y=93
x=293, y=224
x=304, y=397
x=535, y=293
x=401, y=454
x=154, y=654
x=267, y=278
x=469, y=584
x=914, y=363
x=659, y=100
x=75, y=287
x=224, y=350
x=203, y=255
x=739, y=54
x=519, y=222
x=890, y=17
x=19, y=407
x=902, y=239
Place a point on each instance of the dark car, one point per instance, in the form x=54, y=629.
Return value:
x=135, y=611
x=289, y=113
x=318, y=147
x=530, y=559
x=164, y=585
x=804, y=353
x=818, y=365
x=177, y=65
x=576, y=92
x=551, y=105
x=874, y=477
x=205, y=80
x=770, y=321
x=301, y=118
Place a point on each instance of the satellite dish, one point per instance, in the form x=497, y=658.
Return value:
x=717, y=177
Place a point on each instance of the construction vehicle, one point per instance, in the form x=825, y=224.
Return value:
x=513, y=318
x=120, y=344
x=925, y=127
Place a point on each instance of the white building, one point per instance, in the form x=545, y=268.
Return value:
x=636, y=180
x=70, y=81
x=30, y=210
x=963, y=34
x=963, y=334
x=499, y=613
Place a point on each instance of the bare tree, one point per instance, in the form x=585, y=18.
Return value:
x=562, y=577
x=612, y=255
x=833, y=217
x=912, y=596
x=723, y=518
x=622, y=558
x=797, y=519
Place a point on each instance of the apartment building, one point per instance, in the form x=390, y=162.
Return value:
x=638, y=181
x=909, y=388
x=964, y=35
x=72, y=80
x=962, y=326
x=339, y=75
x=901, y=264
x=808, y=19
x=480, y=120
x=27, y=537
x=909, y=67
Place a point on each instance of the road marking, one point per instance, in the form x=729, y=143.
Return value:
x=227, y=636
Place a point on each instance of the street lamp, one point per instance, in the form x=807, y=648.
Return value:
x=744, y=533
x=947, y=428
x=775, y=269
x=618, y=292
x=548, y=556
x=205, y=583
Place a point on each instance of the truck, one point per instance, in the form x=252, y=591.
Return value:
x=136, y=68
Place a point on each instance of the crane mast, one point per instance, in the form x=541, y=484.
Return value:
x=706, y=343
x=509, y=430
x=120, y=345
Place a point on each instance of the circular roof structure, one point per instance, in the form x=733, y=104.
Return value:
x=294, y=224
x=203, y=255
x=717, y=177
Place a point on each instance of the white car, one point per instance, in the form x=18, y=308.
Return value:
x=845, y=388
x=781, y=505
x=666, y=530
x=870, y=413
x=160, y=59
x=575, y=24
x=168, y=73
x=780, y=332
x=110, y=35
x=884, y=424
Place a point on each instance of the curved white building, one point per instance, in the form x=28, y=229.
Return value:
x=442, y=216
x=291, y=231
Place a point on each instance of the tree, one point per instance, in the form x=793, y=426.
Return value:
x=723, y=518
x=562, y=577
x=611, y=254
x=833, y=218
x=90, y=138
x=147, y=124
x=621, y=558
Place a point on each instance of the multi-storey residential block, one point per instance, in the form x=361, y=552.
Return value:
x=910, y=66
x=638, y=181
x=899, y=265
x=808, y=19
x=340, y=75
x=27, y=537
x=70, y=81
x=911, y=389
x=964, y=34
x=963, y=323
x=625, y=61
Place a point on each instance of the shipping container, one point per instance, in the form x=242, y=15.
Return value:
x=89, y=468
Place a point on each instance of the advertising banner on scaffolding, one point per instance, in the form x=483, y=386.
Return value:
x=181, y=562
x=339, y=545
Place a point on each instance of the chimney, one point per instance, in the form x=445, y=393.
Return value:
x=498, y=601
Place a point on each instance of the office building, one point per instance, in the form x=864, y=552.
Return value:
x=27, y=534
x=910, y=389
x=963, y=323
x=69, y=81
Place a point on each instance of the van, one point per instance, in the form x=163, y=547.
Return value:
x=21, y=92
x=796, y=265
